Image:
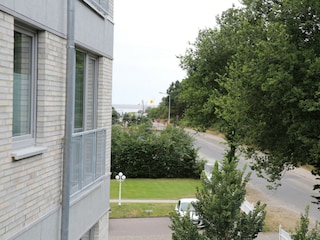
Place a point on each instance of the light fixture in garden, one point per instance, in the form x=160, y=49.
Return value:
x=120, y=178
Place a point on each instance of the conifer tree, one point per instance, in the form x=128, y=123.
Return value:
x=220, y=199
x=303, y=232
x=183, y=228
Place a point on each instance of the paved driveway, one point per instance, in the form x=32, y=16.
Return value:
x=155, y=228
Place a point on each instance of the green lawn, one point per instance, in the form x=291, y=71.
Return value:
x=171, y=189
x=155, y=188
x=129, y=210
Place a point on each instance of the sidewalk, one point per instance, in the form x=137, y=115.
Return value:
x=144, y=200
x=268, y=236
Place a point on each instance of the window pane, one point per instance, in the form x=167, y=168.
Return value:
x=22, y=84
x=88, y=158
x=90, y=95
x=85, y=92
x=103, y=3
x=79, y=92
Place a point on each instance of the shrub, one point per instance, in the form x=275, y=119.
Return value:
x=142, y=153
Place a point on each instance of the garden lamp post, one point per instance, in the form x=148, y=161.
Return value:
x=120, y=178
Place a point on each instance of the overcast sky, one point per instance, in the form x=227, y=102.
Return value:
x=148, y=36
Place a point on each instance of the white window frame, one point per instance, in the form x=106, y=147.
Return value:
x=28, y=140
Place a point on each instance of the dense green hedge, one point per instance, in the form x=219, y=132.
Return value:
x=140, y=152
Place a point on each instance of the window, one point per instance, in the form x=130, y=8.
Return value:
x=100, y=6
x=102, y=3
x=89, y=235
x=24, y=88
x=85, y=92
x=88, y=143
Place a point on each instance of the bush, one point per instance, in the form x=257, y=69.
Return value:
x=302, y=229
x=142, y=153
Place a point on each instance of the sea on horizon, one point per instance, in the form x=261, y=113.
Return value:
x=127, y=108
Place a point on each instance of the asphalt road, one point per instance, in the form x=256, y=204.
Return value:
x=296, y=186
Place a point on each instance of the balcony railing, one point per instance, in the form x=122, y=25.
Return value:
x=88, y=158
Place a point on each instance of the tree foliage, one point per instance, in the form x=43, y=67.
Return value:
x=159, y=112
x=183, y=228
x=219, y=204
x=142, y=153
x=115, y=116
x=132, y=119
x=256, y=76
x=302, y=229
x=177, y=105
x=204, y=62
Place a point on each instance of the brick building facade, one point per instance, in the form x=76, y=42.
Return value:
x=32, y=118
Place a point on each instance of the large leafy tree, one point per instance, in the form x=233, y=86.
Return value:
x=272, y=85
x=203, y=62
x=177, y=105
x=265, y=91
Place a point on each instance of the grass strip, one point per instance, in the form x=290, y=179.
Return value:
x=131, y=210
x=155, y=188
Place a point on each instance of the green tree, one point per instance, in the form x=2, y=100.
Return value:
x=183, y=228
x=302, y=229
x=219, y=204
x=203, y=62
x=160, y=112
x=256, y=76
x=272, y=91
x=115, y=116
x=177, y=106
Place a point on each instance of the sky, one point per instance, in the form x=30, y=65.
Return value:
x=148, y=37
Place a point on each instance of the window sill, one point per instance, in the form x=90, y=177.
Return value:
x=27, y=152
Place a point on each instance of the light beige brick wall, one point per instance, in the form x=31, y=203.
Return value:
x=6, y=84
x=101, y=229
x=31, y=188
x=7, y=206
x=51, y=95
x=104, y=103
x=50, y=114
x=105, y=120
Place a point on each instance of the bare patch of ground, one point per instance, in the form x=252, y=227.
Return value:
x=276, y=214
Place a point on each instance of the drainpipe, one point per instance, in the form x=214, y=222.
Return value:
x=69, y=118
